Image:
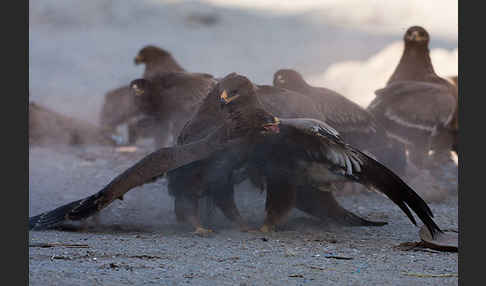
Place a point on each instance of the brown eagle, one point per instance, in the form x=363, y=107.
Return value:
x=308, y=152
x=312, y=148
x=47, y=126
x=118, y=106
x=212, y=180
x=358, y=125
x=168, y=100
x=417, y=106
x=234, y=138
x=355, y=124
x=182, y=184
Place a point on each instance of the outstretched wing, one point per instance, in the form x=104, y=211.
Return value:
x=321, y=143
x=146, y=170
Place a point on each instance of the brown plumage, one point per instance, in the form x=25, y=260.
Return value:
x=170, y=100
x=147, y=170
x=417, y=106
x=313, y=149
x=308, y=152
x=156, y=61
x=48, y=127
x=118, y=106
x=230, y=143
x=211, y=178
x=289, y=182
x=355, y=124
x=220, y=190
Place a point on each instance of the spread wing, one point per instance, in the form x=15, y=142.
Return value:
x=321, y=143
x=145, y=171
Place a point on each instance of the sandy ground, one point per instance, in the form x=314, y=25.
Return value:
x=80, y=50
x=138, y=241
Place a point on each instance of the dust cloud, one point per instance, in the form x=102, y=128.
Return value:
x=79, y=50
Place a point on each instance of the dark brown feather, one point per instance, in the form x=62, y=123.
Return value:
x=417, y=106
x=156, y=60
x=118, y=106
x=145, y=171
x=311, y=141
x=172, y=98
x=355, y=124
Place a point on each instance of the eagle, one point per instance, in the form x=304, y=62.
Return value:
x=210, y=179
x=181, y=181
x=251, y=133
x=234, y=139
x=118, y=106
x=168, y=100
x=363, y=131
x=305, y=152
x=47, y=126
x=416, y=106
x=156, y=61
x=355, y=124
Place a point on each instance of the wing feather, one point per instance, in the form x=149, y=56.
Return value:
x=355, y=165
x=151, y=167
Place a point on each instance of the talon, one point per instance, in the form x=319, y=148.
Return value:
x=202, y=231
x=266, y=228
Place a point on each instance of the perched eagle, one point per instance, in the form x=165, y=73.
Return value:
x=417, y=106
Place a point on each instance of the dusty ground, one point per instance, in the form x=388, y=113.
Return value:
x=80, y=50
x=138, y=241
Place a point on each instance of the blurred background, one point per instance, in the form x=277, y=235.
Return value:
x=78, y=50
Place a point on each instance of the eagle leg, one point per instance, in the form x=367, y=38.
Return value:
x=281, y=197
x=187, y=210
x=223, y=196
x=323, y=205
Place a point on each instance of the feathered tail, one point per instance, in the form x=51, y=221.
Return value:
x=384, y=180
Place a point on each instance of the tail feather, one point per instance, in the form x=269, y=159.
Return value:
x=387, y=182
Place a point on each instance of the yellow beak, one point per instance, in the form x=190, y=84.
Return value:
x=225, y=98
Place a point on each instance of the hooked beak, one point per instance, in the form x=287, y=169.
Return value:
x=225, y=99
x=272, y=126
x=138, y=91
x=138, y=60
x=415, y=36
